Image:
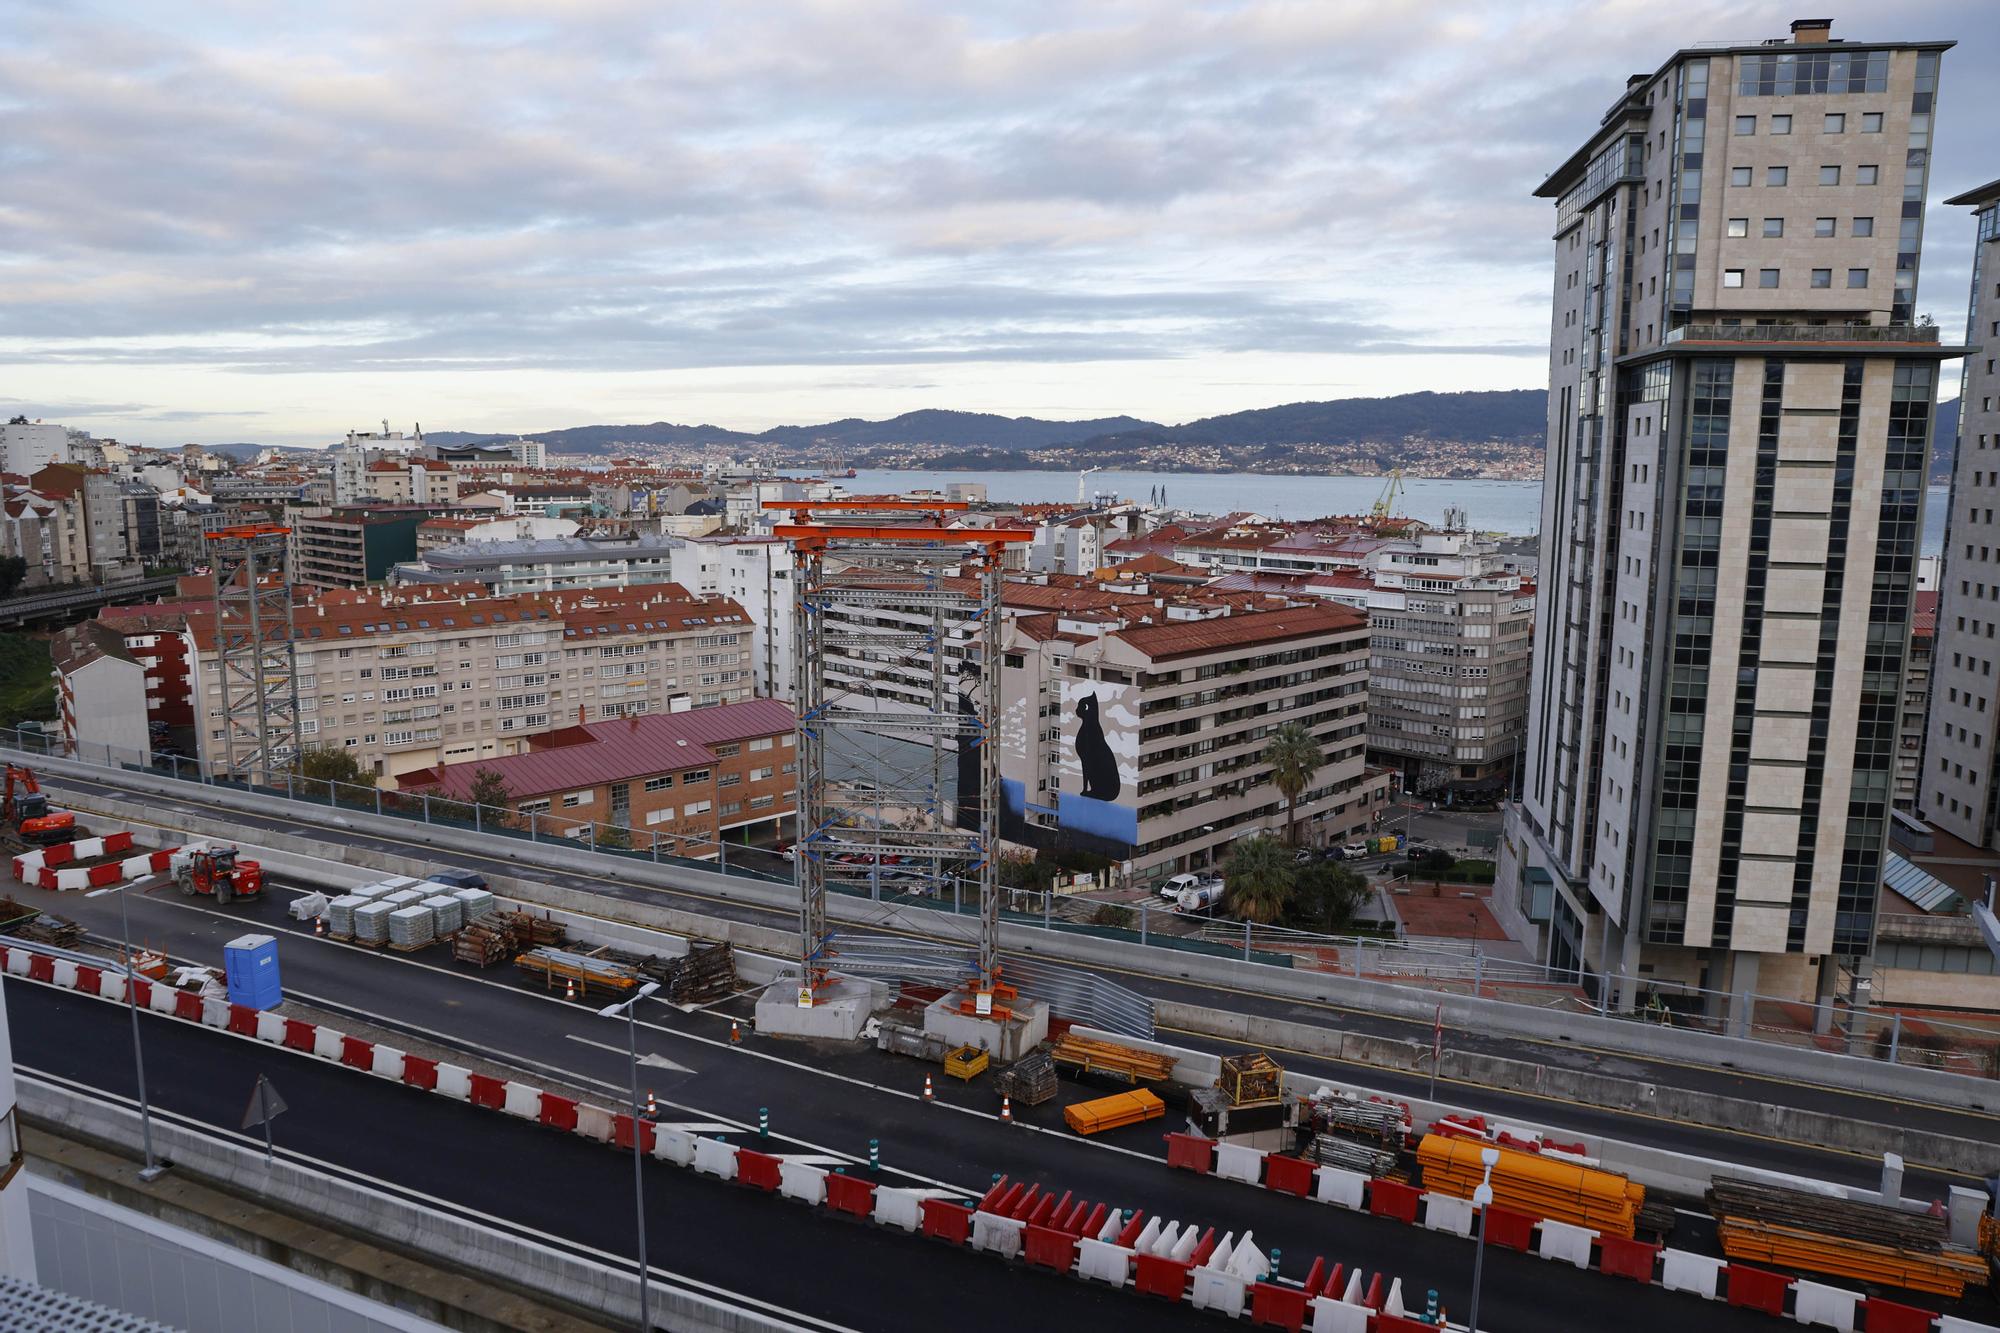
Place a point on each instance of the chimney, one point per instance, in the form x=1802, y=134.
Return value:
x=1806, y=31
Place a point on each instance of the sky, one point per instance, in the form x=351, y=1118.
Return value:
x=235, y=221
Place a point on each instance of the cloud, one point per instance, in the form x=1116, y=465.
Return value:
x=610, y=186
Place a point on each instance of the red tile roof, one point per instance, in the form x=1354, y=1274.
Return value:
x=1189, y=638
x=1923, y=615
x=588, y=756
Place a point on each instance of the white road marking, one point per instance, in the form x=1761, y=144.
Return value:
x=443, y=1205
x=649, y=1060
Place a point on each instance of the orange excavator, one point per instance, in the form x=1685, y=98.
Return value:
x=27, y=815
x=215, y=872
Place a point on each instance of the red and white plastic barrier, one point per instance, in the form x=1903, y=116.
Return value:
x=53, y=867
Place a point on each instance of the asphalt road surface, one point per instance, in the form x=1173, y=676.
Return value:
x=824, y=1272
x=1721, y=1081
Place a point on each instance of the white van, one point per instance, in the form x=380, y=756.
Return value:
x=1172, y=889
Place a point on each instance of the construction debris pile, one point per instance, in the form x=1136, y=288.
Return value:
x=1031, y=1080
x=1817, y=1233
x=582, y=970
x=24, y=922
x=704, y=974
x=1092, y=1055
x=498, y=937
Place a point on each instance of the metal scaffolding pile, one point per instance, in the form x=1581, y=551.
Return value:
x=887, y=603
x=253, y=650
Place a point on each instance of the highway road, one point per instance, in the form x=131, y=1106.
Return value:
x=1725, y=1082
x=823, y=1272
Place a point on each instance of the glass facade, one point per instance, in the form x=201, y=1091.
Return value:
x=1705, y=466
x=1684, y=209
x=1794, y=73
x=1916, y=175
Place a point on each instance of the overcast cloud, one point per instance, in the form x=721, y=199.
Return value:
x=233, y=221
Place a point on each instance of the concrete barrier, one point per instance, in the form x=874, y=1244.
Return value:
x=1411, y=1003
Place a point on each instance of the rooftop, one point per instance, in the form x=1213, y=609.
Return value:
x=616, y=751
x=1191, y=638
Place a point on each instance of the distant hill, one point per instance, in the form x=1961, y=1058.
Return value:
x=1514, y=415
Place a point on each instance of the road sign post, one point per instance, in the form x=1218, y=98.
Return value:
x=265, y=1106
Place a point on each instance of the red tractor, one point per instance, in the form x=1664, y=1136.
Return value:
x=27, y=814
x=215, y=871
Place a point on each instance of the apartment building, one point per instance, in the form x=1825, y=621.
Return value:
x=675, y=781
x=352, y=546
x=1145, y=741
x=1739, y=414
x=405, y=481
x=439, y=675
x=1919, y=666
x=1960, y=788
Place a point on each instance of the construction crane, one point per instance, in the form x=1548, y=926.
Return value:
x=1385, y=505
x=215, y=872
x=26, y=812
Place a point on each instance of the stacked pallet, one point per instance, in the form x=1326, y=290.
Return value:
x=477, y=902
x=1541, y=1187
x=1817, y=1233
x=536, y=931
x=557, y=966
x=483, y=945
x=1350, y=1154
x=411, y=928
x=703, y=975
x=1094, y=1055
x=403, y=897
x=447, y=914
x=371, y=923
x=1031, y=1080
x=340, y=915
x=1124, y=1108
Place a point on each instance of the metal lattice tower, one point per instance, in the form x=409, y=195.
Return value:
x=889, y=737
x=254, y=654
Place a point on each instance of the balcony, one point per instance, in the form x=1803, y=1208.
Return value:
x=1805, y=333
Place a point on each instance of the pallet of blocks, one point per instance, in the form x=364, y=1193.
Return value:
x=1030, y=1080
x=1818, y=1233
x=1121, y=1108
x=1094, y=1055
x=1540, y=1186
x=412, y=928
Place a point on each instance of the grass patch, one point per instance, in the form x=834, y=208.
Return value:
x=27, y=690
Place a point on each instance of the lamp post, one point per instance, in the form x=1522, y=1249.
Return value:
x=1482, y=1198
x=630, y=1010
x=151, y=1171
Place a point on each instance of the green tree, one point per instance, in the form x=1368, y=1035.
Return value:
x=13, y=569
x=490, y=790
x=1294, y=756
x=1435, y=864
x=1259, y=879
x=333, y=764
x=1325, y=896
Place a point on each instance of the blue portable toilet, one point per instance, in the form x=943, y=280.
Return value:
x=250, y=968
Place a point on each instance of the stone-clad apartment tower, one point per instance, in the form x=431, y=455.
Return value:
x=1958, y=787
x=1739, y=410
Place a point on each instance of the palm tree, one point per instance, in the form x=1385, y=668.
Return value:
x=1294, y=756
x=1259, y=877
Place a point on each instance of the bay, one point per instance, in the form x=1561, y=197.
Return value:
x=1512, y=507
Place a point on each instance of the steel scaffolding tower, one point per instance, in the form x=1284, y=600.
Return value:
x=254, y=655
x=889, y=737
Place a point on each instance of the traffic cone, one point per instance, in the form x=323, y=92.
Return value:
x=1006, y=1110
x=319, y=925
x=652, y=1106
x=930, y=1094
x=569, y=989
x=735, y=1033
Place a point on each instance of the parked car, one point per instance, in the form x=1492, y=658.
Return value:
x=1172, y=888
x=458, y=879
x=1302, y=856
x=1354, y=849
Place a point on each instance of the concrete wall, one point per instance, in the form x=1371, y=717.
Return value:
x=540, y=1269
x=1493, y=1017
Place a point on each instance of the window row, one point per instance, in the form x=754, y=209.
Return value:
x=1822, y=227
x=1868, y=173
x=1769, y=277
x=1832, y=122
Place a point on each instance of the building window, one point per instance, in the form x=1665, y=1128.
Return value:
x=1732, y=277
x=659, y=783
x=1776, y=175
x=1781, y=124
x=1867, y=174
x=1739, y=175
x=1857, y=277
x=573, y=799
x=1871, y=122
x=1863, y=227
x=1829, y=175
x=1822, y=226
x=1739, y=226
x=1835, y=123
x=1822, y=277
x=1767, y=277
x=1746, y=125
x=1773, y=227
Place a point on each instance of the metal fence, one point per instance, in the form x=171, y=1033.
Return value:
x=1439, y=966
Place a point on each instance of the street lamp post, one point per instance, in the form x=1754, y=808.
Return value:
x=153, y=1168
x=630, y=1010
x=1482, y=1198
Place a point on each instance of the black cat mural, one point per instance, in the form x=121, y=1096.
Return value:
x=1093, y=753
